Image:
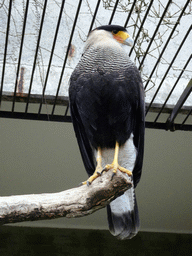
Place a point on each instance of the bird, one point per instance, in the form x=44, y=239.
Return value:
x=107, y=108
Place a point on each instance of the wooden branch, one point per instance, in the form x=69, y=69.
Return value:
x=75, y=202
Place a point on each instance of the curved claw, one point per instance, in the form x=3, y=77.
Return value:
x=81, y=184
x=113, y=175
x=91, y=178
x=104, y=170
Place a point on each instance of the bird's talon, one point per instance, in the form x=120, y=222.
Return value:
x=82, y=183
x=104, y=170
x=88, y=183
x=112, y=176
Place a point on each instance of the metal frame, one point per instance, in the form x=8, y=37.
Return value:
x=29, y=98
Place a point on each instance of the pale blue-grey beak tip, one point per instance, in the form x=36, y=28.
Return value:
x=129, y=41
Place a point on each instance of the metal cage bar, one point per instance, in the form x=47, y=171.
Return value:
x=29, y=99
x=189, y=113
x=6, y=45
x=36, y=53
x=155, y=33
x=66, y=56
x=167, y=42
x=170, y=65
x=181, y=101
x=113, y=13
x=51, y=55
x=130, y=12
x=141, y=26
x=94, y=16
x=20, y=53
x=170, y=93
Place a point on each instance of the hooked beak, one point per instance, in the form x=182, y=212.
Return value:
x=129, y=41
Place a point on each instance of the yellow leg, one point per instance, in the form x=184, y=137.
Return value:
x=114, y=166
x=98, y=169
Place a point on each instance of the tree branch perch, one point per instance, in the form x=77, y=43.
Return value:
x=75, y=202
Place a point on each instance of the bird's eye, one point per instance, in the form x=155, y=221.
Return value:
x=115, y=31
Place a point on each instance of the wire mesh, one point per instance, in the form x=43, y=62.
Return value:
x=42, y=41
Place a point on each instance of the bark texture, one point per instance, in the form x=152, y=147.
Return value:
x=75, y=202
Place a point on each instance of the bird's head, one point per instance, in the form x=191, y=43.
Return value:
x=119, y=33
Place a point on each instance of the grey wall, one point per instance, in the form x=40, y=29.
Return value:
x=38, y=157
